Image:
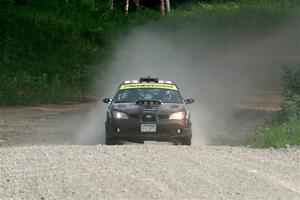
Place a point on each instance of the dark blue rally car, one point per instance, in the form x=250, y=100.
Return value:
x=148, y=109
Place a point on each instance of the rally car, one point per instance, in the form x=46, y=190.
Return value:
x=148, y=109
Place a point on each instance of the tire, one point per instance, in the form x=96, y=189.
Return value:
x=111, y=141
x=186, y=141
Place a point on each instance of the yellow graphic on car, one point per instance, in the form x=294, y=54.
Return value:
x=148, y=85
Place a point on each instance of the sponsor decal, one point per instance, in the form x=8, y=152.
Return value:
x=148, y=85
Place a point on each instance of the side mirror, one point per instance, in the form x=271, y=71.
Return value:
x=107, y=100
x=189, y=101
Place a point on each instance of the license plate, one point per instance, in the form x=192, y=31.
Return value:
x=148, y=128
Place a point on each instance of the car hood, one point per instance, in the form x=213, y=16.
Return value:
x=164, y=108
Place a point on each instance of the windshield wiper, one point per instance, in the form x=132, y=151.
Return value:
x=124, y=101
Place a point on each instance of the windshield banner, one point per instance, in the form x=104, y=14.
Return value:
x=148, y=85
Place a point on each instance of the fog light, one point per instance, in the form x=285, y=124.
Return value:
x=118, y=130
x=178, y=130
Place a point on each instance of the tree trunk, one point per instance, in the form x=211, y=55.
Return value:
x=126, y=6
x=111, y=4
x=137, y=4
x=168, y=7
x=162, y=7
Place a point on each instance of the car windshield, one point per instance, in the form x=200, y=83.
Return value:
x=132, y=95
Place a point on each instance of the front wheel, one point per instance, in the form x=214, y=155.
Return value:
x=111, y=141
x=186, y=141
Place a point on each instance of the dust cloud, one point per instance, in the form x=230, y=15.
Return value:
x=220, y=76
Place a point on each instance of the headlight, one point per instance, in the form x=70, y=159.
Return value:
x=119, y=115
x=178, y=115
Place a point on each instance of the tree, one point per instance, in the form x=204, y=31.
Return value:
x=162, y=7
x=137, y=4
x=126, y=6
x=168, y=6
x=111, y=4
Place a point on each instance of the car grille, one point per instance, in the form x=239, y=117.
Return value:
x=145, y=119
x=135, y=116
x=163, y=116
x=149, y=117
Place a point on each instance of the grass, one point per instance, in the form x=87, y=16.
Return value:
x=277, y=136
x=50, y=50
x=285, y=127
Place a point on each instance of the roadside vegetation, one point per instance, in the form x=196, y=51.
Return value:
x=50, y=50
x=284, y=130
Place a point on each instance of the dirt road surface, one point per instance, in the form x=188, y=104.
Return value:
x=148, y=172
x=41, y=160
x=59, y=124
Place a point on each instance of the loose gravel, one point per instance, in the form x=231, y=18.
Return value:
x=40, y=160
x=148, y=172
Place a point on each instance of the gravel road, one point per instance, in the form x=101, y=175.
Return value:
x=53, y=124
x=148, y=172
x=41, y=160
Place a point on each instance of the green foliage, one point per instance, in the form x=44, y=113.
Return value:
x=25, y=88
x=285, y=128
x=290, y=109
x=48, y=48
x=239, y=14
x=278, y=135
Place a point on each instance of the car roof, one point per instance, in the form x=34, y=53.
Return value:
x=147, y=80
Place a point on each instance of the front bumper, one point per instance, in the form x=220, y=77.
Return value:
x=166, y=130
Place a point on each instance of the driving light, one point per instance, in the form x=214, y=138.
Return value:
x=119, y=115
x=178, y=115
